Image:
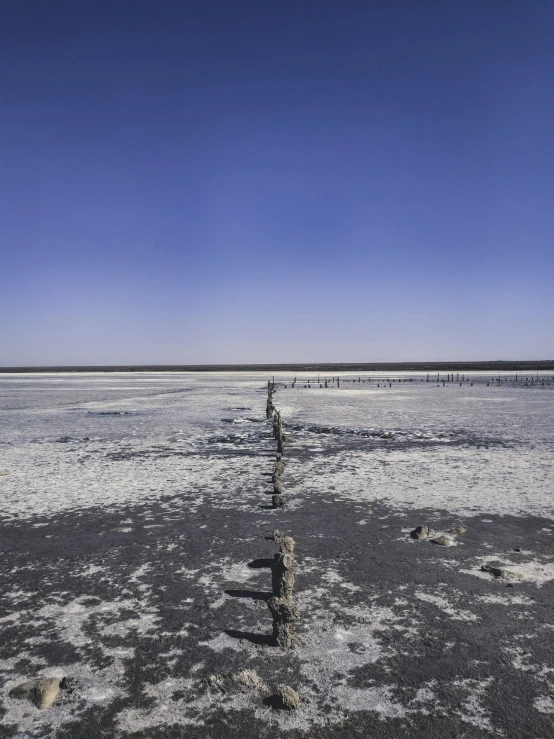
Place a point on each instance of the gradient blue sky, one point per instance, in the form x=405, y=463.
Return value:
x=213, y=181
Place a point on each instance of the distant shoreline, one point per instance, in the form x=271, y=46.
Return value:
x=315, y=367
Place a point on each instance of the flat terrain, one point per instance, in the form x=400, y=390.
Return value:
x=136, y=536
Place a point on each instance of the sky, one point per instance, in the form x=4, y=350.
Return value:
x=206, y=181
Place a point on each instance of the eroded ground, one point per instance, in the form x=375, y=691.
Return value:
x=136, y=542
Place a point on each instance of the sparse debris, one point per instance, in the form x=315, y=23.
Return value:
x=250, y=681
x=501, y=572
x=41, y=691
x=458, y=530
x=216, y=682
x=245, y=681
x=420, y=532
x=443, y=541
x=284, y=614
x=290, y=698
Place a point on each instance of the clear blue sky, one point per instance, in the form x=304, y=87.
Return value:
x=189, y=181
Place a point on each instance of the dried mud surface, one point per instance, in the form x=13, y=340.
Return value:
x=144, y=576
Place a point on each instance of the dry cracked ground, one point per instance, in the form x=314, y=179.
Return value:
x=136, y=540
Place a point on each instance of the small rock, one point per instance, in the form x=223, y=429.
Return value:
x=40, y=691
x=457, y=530
x=444, y=541
x=517, y=549
x=3, y=472
x=501, y=572
x=420, y=532
x=290, y=698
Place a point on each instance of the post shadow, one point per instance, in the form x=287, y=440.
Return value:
x=252, y=594
x=265, y=639
x=257, y=564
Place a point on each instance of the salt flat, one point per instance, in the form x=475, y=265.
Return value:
x=135, y=508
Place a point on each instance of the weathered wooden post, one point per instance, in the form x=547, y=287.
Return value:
x=284, y=613
x=280, y=449
x=282, y=574
x=281, y=606
x=286, y=544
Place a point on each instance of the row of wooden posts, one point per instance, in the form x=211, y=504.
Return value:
x=451, y=377
x=281, y=605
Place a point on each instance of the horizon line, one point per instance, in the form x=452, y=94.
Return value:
x=510, y=364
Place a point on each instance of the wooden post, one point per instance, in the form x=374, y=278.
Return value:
x=284, y=614
x=282, y=574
